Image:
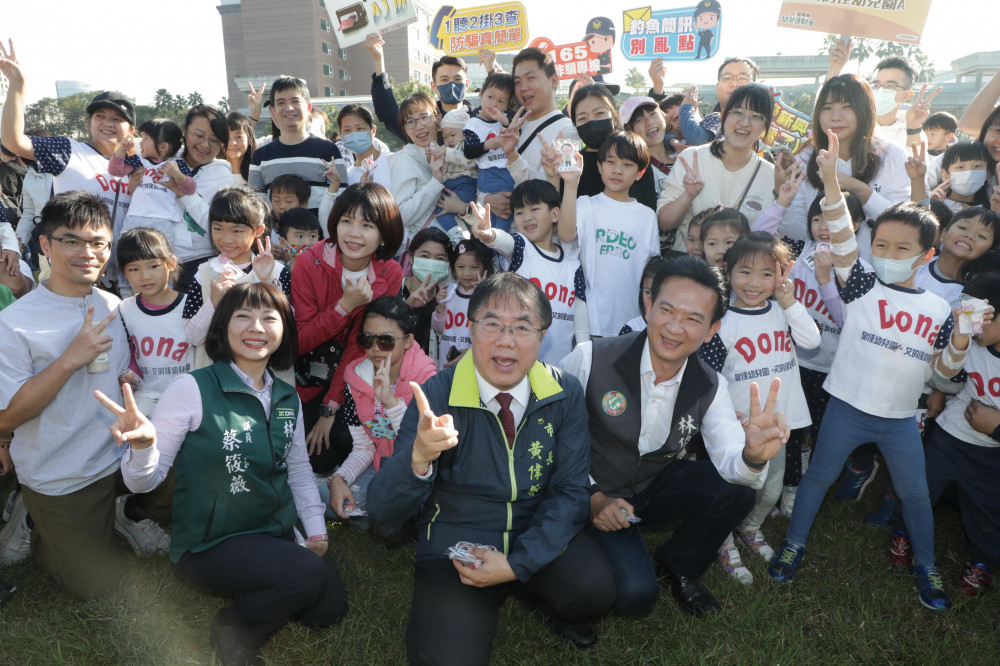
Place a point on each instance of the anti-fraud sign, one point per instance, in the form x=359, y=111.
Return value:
x=571, y=60
x=462, y=32
x=789, y=127
x=888, y=20
x=354, y=20
x=688, y=33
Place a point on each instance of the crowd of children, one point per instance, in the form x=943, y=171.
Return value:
x=849, y=266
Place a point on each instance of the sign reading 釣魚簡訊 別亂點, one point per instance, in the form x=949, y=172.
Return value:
x=685, y=33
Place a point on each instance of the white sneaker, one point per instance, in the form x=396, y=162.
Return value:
x=732, y=563
x=15, y=537
x=145, y=536
x=755, y=541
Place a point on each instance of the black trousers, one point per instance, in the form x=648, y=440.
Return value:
x=273, y=579
x=708, y=508
x=341, y=442
x=453, y=623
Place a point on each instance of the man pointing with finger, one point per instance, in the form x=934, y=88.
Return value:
x=648, y=395
x=57, y=345
x=495, y=451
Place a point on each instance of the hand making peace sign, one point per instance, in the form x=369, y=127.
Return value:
x=131, y=426
x=767, y=430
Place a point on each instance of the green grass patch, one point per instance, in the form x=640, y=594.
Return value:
x=847, y=606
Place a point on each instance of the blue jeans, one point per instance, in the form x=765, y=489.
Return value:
x=496, y=180
x=360, y=490
x=843, y=429
x=464, y=188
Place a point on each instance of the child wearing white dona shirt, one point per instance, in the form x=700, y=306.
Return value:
x=892, y=333
x=617, y=234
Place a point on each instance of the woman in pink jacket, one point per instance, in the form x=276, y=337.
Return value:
x=332, y=283
x=375, y=399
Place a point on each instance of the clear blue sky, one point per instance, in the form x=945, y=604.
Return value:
x=67, y=39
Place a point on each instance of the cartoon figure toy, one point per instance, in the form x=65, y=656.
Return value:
x=600, y=39
x=706, y=18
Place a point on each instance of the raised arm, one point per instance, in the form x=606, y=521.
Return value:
x=978, y=110
x=838, y=220
x=12, y=119
x=567, y=212
x=679, y=192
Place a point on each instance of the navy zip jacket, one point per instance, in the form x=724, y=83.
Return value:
x=528, y=501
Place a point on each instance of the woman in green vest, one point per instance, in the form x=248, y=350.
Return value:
x=234, y=436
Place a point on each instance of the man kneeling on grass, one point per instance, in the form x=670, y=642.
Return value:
x=495, y=451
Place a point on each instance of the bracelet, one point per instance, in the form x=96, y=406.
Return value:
x=253, y=119
x=318, y=537
x=754, y=467
x=418, y=472
x=912, y=132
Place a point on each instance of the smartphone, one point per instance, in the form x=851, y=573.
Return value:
x=453, y=353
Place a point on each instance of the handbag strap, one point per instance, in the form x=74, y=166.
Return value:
x=527, y=142
x=739, y=204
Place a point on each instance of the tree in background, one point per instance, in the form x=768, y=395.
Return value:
x=67, y=116
x=636, y=81
x=862, y=49
x=404, y=90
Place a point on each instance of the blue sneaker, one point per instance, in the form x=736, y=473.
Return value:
x=786, y=561
x=882, y=515
x=853, y=485
x=931, y=586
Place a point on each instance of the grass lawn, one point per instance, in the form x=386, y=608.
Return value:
x=846, y=606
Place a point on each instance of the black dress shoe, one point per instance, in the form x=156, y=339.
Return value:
x=581, y=634
x=691, y=595
x=229, y=649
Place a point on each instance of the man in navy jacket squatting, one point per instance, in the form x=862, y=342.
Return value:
x=495, y=451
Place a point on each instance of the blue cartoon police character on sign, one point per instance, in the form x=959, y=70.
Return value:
x=706, y=19
x=600, y=39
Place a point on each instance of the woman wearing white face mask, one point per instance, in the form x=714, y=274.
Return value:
x=872, y=169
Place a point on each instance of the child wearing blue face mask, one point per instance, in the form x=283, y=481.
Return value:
x=892, y=332
x=357, y=134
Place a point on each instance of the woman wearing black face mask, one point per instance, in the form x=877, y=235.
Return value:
x=595, y=115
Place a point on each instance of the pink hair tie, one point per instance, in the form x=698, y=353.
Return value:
x=462, y=249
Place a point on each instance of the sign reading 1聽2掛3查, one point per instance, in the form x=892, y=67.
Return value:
x=888, y=20
x=686, y=33
x=354, y=20
x=462, y=32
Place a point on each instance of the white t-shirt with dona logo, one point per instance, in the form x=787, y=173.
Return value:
x=722, y=188
x=616, y=240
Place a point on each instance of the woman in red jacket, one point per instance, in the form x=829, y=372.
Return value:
x=331, y=284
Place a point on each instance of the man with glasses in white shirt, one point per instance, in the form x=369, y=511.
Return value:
x=59, y=344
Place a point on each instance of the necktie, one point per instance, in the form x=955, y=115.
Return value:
x=506, y=417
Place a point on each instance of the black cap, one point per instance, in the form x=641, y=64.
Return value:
x=600, y=25
x=112, y=99
x=708, y=7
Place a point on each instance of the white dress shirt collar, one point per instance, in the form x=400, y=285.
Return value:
x=649, y=375
x=520, y=394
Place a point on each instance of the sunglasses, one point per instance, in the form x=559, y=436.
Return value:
x=384, y=342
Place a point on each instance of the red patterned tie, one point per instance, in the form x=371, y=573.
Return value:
x=506, y=417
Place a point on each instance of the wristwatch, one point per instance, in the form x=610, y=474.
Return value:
x=325, y=411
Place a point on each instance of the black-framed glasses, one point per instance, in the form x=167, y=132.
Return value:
x=384, y=342
x=494, y=329
x=74, y=244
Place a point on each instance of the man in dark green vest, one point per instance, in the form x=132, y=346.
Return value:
x=648, y=395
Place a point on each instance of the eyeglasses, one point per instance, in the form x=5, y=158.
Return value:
x=491, y=328
x=423, y=119
x=740, y=115
x=74, y=244
x=888, y=86
x=384, y=342
x=741, y=79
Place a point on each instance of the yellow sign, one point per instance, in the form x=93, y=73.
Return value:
x=462, y=32
x=889, y=20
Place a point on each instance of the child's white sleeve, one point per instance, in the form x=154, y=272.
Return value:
x=581, y=321
x=325, y=208
x=8, y=239
x=503, y=242
x=805, y=333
